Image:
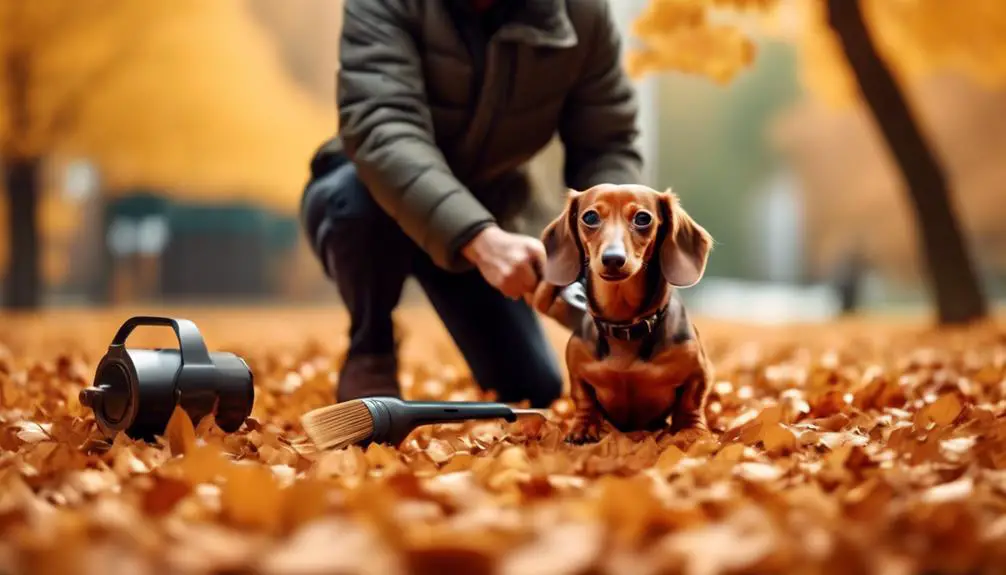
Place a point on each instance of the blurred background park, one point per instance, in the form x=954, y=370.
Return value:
x=155, y=152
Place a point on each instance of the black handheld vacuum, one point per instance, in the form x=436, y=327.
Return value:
x=136, y=390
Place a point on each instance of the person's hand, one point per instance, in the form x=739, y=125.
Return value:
x=511, y=263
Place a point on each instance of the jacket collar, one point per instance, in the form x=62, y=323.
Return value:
x=539, y=23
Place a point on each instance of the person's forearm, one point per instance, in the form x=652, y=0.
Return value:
x=387, y=132
x=438, y=213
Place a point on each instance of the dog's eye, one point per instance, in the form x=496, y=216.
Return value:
x=642, y=219
x=591, y=218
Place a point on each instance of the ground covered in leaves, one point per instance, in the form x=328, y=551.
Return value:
x=852, y=448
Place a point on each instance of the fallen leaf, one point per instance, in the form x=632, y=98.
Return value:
x=628, y=506
x=778, y=439
x=668, y=459
x=202, y=464
x=864, y=500
x=32, y=432
x=459, y=462
x=329, y=545
x=754, y=471
x=207, y=426
x=941, y=412
x=514, y=458
x=959, y=490
x=439, y=451
x=251, y=498
x=163, y=495
x=180, y=433
x=730, y=453
x=210, y=548
x=958, y=447
x=569, y=549
x=749, y=541
x=448, y=551
x=303, y=502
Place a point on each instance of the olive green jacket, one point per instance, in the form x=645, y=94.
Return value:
x=441, y=116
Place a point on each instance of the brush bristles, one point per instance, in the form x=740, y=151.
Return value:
x=339, y=425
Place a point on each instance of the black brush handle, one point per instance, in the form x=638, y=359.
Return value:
x=426, y=412
x=394, y=418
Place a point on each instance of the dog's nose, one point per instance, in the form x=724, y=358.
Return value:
x=613, y=258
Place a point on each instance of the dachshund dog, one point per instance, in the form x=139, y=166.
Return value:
x=636, y=359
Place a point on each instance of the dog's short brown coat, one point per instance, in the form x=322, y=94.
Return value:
x=637, y=380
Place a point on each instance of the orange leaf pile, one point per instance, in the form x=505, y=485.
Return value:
x=865, y=449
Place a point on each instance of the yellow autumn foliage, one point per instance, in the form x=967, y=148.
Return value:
x=183, y=95
x=706, y=37
x=229, y=123
x=686, y=36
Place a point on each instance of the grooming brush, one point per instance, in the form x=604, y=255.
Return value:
x=575, y=297
x=390, y=420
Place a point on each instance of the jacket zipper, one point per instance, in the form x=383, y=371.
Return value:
x=499, y=99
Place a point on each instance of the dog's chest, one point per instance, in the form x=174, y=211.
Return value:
x=633, y=398
x=634, y=393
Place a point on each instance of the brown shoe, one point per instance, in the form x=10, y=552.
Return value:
x=368, y=376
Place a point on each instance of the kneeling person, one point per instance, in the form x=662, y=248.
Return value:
x=441, y=105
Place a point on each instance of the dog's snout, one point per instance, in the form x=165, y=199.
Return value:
x=613, y=256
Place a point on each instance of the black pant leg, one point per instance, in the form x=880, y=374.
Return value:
x=368, y=257
x=501, y=339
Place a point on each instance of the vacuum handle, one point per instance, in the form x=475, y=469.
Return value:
x=190, y=341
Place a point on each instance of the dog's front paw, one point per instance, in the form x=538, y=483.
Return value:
x=584, y=432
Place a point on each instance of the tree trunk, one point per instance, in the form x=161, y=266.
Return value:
x=23, y=286
x=955, y=283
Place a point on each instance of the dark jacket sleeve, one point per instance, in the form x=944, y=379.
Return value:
x=598, y=124
x=387, y=131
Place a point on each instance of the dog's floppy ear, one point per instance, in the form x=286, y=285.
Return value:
x=686, y=244
x=565, y=255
